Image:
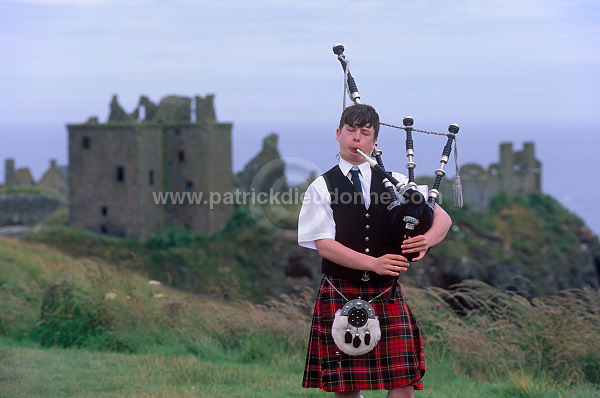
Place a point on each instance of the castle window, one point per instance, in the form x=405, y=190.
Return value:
x=177, y=131
x=104, y=210
x=189, y=186
x=85, y=142
x=181, y=157
x=103, y=229
x=151, y=177
x=120, y=174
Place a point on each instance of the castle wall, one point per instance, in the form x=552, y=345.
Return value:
x=151, y=176
x=187, y=170
x=198, y=160
x=479, y=186
x=104, y=175
x=221, y=159
x=53, y=179
x=27, y=208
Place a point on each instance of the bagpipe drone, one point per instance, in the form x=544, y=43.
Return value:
x=411, y=213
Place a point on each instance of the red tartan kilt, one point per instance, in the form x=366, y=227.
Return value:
x=396, y=361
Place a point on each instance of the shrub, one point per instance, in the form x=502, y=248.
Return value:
x=68, y=318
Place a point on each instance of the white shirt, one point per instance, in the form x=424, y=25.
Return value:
x=316, y=216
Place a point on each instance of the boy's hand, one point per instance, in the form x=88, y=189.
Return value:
x=417, y=244
x=390, y=264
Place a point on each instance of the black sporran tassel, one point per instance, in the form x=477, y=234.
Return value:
x=348, y=337
x=356, y=342
x=367, y=338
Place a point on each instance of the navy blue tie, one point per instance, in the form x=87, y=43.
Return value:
x=356, y=181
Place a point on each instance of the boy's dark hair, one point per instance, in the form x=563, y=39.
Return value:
x=360, y=115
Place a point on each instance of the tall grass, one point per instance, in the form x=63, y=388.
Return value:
x=60, y=301
x=501, y=343
x=492, y=334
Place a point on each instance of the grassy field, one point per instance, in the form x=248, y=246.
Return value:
x=79, y=327
x=29, y=371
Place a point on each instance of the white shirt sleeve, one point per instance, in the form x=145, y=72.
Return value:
x=316, y=216
x=424, y=189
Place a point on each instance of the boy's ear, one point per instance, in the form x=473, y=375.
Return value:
x=337, y=134
x=374, y=144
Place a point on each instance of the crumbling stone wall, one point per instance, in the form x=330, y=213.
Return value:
x=517, y=172
x=27, y=208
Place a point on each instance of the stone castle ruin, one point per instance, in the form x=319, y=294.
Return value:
x=54, y=179
x=517, y=172
x=117, y=168
x=27, y=205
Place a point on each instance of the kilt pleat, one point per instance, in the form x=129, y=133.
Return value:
x=397, y=360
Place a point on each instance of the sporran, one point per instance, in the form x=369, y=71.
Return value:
x=356, y=329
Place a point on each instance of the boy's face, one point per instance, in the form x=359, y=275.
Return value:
x=352, y=138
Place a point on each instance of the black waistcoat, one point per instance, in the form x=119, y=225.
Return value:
x=363, y=230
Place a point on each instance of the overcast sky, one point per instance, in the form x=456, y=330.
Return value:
x=510, y=70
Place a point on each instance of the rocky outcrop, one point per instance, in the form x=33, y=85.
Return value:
x=531, y=245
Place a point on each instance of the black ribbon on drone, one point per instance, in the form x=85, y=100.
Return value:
x=411, y=214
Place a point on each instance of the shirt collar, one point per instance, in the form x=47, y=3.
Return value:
x=365, y=168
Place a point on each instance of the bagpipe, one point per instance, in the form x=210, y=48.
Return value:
x=411, y=214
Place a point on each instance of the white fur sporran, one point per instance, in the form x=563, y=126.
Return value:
x=356, y=328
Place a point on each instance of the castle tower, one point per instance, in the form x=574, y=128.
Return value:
x=531, y=169
x=17, y=177
x=132, y=177
x=506, y=168
x=9, y=172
